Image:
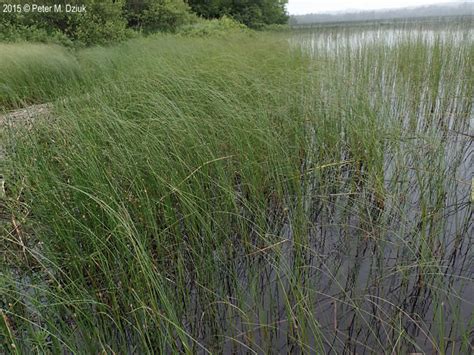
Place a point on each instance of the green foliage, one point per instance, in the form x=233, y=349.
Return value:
x=19, y=32
x=18, y=26
x=156, y=15
x=223, y=26
x=253, y=13
x=101, y=23
x=107, y=21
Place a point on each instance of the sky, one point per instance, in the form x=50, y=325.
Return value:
x=298, y=7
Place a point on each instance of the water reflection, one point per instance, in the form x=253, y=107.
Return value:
x=337, y=41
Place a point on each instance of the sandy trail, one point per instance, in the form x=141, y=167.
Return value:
x=25, y=116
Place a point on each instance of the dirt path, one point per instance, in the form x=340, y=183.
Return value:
x=24, y=116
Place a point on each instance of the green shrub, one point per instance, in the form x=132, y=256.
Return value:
x=20, y=33
x=103, y=22
x=218, y=27
x=253, y=13
x=162, y=15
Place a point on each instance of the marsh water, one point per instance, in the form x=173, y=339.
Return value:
x=334, y=40
x=381, y=277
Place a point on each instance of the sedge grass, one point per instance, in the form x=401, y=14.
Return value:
x=247, y=194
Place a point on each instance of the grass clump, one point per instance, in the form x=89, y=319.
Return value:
x=35, y=73
x=164, y=176
x=210, y=195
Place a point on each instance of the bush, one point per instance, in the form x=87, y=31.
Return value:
x=33, y=34
x=253, y=13
x=162, y=15
x=218, y=27
x=103, y=22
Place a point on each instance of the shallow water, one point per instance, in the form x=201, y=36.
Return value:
x=401, y=279
x=337, y=41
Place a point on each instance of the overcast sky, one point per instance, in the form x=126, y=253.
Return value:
x=297, y=7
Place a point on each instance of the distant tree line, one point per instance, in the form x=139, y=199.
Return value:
x=448, y=9
x=112, y=20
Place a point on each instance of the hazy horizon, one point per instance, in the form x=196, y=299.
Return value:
x=301, y=7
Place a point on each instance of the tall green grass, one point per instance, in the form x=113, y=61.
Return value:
x=245, y=194
x=35, y=73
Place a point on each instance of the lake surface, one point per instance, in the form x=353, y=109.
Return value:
x=370, y=279
x=331, y=41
